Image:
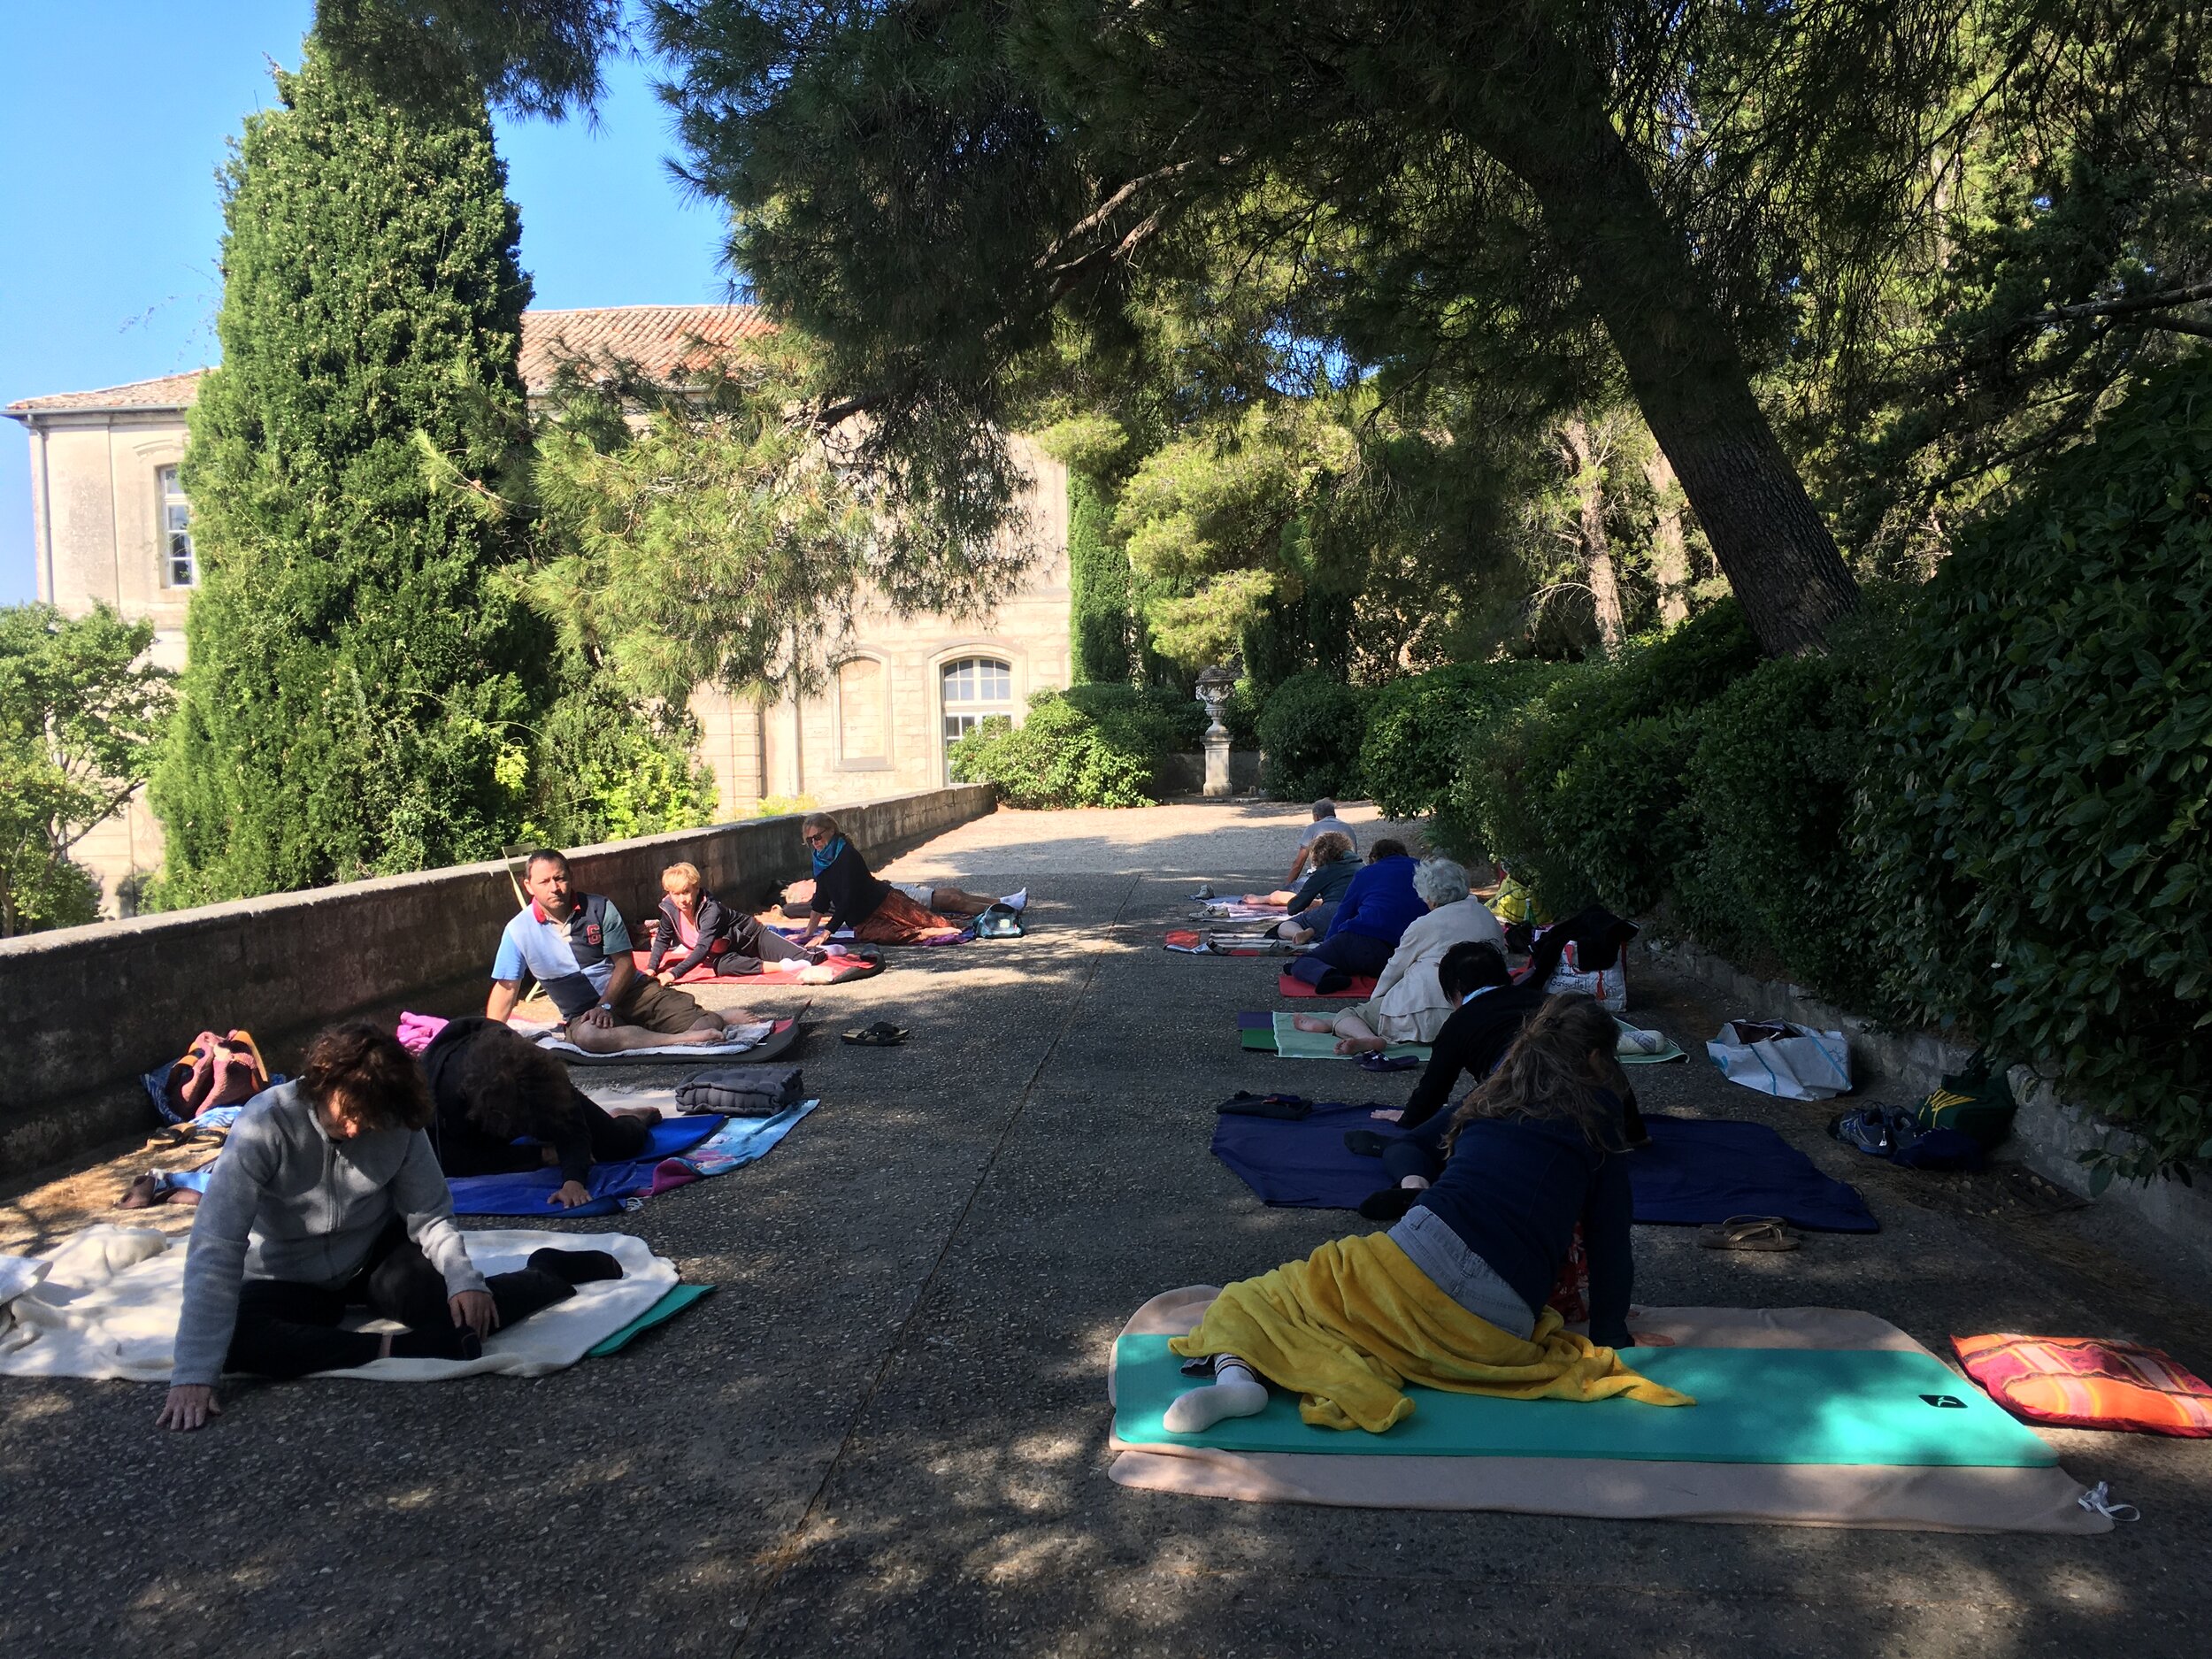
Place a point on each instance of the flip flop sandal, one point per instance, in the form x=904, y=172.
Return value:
x=882, y=1035
x=1750, y=1232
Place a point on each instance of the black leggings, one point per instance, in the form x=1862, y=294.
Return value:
x=286, y=1329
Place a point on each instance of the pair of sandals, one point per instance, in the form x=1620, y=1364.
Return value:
x=882, y=1035
x=1758, y=1233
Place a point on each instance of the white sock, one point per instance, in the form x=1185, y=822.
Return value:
x=1236, y=1392
x=1018, y=901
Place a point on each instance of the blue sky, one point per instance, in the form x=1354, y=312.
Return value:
x=114, y=115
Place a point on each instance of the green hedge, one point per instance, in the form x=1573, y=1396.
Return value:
x=1311, y=727
x=2040, y=834
x=1416, y=729
x=1987, y=807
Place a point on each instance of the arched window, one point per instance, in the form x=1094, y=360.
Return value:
x=972, y=689
x=862, y=735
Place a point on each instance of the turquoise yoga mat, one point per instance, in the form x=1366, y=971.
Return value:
x=679, y=1298
x=1755, y=1405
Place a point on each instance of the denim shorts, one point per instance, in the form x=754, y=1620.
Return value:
x=1427, y=1239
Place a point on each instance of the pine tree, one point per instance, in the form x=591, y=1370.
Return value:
x=360, y=678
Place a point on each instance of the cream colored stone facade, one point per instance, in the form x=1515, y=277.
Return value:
x=102, y=498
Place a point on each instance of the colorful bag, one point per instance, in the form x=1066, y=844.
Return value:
x=1974, y=1101
x=2082, y=1383
x=215, y=1071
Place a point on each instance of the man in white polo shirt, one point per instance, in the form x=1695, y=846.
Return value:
x=577, y=947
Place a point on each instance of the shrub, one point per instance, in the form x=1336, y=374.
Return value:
x=1421, y=729
x=1559, y=766
x=1157, y=720
x=1773, y=877
x=1058, y=757
x=1311, y=727
x=2042, y=834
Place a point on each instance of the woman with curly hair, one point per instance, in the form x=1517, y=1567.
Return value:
x=490, y=1087
x=327, y=1196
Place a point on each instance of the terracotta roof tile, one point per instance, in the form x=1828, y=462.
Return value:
x=169, y=391
x=665, y=341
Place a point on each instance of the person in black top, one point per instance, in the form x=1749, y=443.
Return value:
x=1492, y=1011
x=489, y=1085
x=1533, y=1154
x=848, y=893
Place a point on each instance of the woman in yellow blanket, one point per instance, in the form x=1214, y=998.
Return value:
x=1453, y=1295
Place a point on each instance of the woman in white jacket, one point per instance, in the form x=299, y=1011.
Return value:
x=1409, y=1004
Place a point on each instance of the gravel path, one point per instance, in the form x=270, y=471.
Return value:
x=885, y=1435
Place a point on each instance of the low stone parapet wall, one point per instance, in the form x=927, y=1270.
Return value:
x=90, y=1009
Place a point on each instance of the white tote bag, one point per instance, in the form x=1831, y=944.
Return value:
x=1609, y=984
x=1804, y=1064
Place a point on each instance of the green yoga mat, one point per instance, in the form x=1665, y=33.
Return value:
x=1755, y=1405
x=1294, y=1044
x=679, y=1298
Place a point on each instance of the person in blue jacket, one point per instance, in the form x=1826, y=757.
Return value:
x=1373, y=914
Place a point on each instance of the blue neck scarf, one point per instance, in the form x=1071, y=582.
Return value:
x=825, y=854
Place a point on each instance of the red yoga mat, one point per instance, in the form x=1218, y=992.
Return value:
x=1363, y=986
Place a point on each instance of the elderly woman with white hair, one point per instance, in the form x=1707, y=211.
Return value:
x=1409, y=1004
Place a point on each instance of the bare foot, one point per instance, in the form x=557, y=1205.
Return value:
x=699, y=1034
x=1360, y=1045
x=1313, y=1022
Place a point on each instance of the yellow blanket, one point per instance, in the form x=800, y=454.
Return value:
x=1345, y=1328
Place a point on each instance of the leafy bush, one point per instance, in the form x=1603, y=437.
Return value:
x=1770, y=788
x=2042, y=836
x=1419, y=729
x=1603, y=741
x=1311, y=727
x=1059, y=757
x=1159, y=721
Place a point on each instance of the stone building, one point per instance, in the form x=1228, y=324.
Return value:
x=110, y=523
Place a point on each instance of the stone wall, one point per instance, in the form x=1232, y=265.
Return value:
x=89, y=1008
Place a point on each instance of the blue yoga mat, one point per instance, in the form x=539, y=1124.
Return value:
x=530, y=1193
x=1696, y=1172
x=1755, y=1405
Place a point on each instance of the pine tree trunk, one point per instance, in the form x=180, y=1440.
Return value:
x=1542, y=115
x=1670, y=548
x=1597, y=549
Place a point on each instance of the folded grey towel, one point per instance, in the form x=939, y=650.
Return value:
x=741, y=1091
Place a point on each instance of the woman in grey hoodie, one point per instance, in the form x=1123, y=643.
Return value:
x=327, y=1196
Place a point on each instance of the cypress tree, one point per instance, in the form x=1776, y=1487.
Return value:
x=359, y=676
x=1098, y=584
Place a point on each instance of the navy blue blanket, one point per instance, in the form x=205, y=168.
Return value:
x=1696, y=1170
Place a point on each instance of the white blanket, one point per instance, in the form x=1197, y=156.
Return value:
x=108, y=1304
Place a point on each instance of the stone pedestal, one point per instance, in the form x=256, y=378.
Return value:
x=1218, y=784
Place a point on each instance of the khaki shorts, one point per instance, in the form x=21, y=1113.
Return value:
x=653, y=1005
